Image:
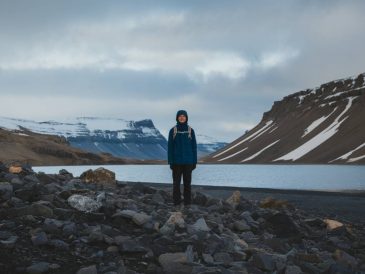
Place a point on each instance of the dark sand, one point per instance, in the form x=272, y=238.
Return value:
x=342, y=206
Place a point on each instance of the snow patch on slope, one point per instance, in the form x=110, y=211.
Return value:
x=262, y=132
x=268, y=123
x=259, y=152
x=234, y=154
x=319, y=138
x=348, y=154
x=355, y=159
x=316, y=123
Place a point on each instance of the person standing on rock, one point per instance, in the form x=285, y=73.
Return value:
x=182, y=156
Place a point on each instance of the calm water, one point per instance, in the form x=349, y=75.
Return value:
x=318, y=177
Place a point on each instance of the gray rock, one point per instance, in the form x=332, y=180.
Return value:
x=4, y=234
x=241, y=226
x=208, y=258
x=31, y=178
x=157, y=197
x=10, y=242
x=88, y=270
x=83, y=203
x=41, y=267
x=199, y=226
x=65, y=172
x=263, y=261
x=69, y=229
x=167, y=229
x=59, y=244
x=175, y=219
x=293, y=269
x=141, y=218
x=52, y=224
x=283, y=225
x=39, y=238
x=17, y=183
x=120, y=239
x=127, y=213
x=223, y=257
x=38, y=209
x=6, y=191
x=175, y=263
x=132, y=246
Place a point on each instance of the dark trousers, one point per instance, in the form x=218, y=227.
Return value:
x=185, y=171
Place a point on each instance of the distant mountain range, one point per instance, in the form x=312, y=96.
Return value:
x=139, y=140
x=42, y=149
x=324, y=125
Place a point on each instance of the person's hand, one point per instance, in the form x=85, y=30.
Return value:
x=194, y=166
x=170, y=166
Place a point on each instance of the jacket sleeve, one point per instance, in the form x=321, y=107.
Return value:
x=194, y=146
x=170, y=148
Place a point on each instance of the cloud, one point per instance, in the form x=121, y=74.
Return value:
x=225, y=62
x=199, y=65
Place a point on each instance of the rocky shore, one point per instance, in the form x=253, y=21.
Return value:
x=58, y=223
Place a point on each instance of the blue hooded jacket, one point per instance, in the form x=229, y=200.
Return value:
x=182, y=149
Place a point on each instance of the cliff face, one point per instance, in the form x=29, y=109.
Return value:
x=319, y=125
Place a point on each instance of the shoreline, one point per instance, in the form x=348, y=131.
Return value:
x=341, y=192
x=347, y=206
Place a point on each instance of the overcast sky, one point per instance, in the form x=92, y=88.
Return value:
x=225, y=62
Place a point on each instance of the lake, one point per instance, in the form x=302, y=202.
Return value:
x=304, y=177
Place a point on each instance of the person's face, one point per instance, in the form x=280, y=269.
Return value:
x=182, y=118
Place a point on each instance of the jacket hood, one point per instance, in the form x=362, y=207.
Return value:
x=181, y=112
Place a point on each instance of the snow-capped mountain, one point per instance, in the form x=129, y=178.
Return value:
x=320, y=125
x=207, y=144
x=119, y=137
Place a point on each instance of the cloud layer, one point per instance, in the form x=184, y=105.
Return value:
x=224, y=62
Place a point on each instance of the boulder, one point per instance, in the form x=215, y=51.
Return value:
x=15, y=169
x=199, y=226
x=332, y=224
x=141, y=218
x=83, y=203
x=270, y=202
x=175, y=219
x=283, y=225
x=235, y=199
x=99, y=176
x=263, y=261
x=177, y=263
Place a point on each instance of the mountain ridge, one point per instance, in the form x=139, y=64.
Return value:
x=318, y=125
x=127, y=139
